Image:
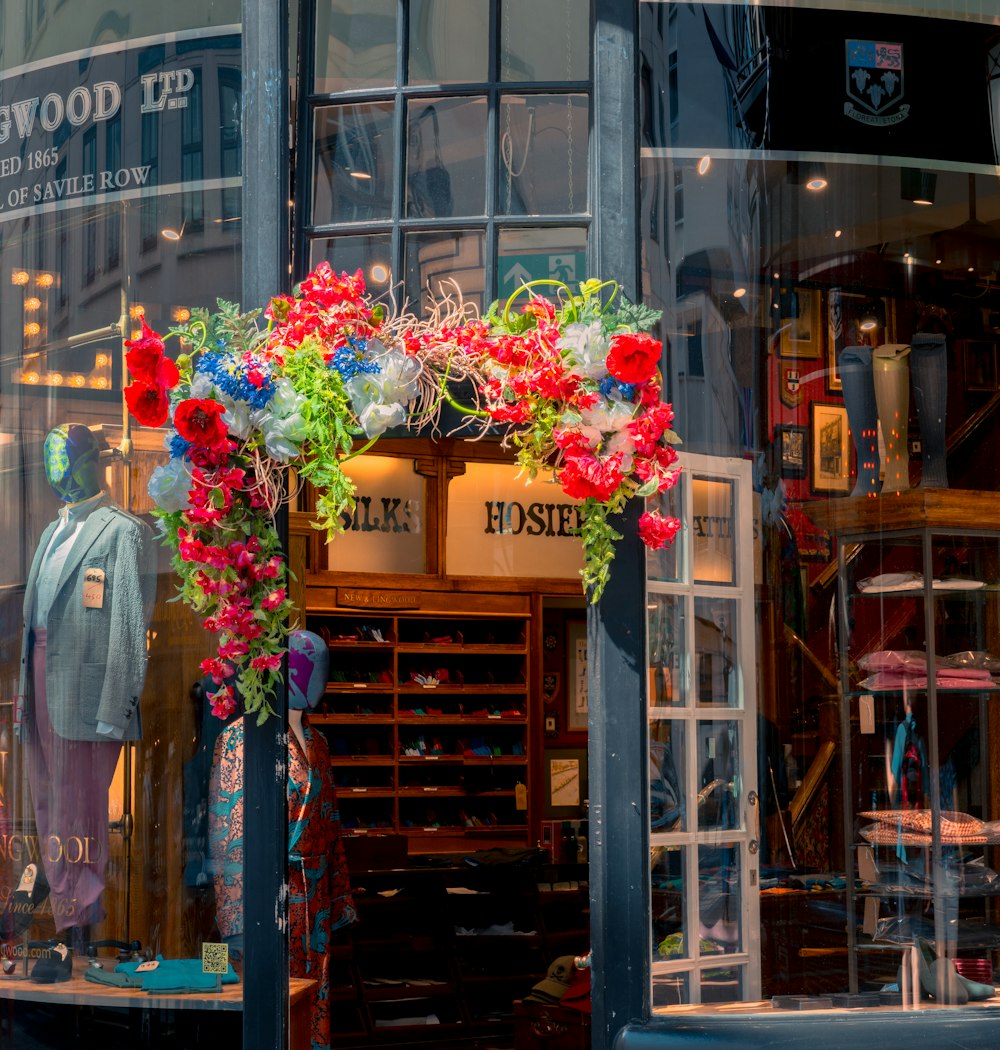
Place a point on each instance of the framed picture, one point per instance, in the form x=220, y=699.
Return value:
x=577, y=705
x=793, y=450
x=550, y=685
x=802, y=324
x=565, y=782
x=979, y=363
x=830, y=448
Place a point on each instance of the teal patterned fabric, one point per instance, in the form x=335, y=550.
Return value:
x=72, y=460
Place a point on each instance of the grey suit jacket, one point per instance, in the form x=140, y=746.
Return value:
x=95, y=657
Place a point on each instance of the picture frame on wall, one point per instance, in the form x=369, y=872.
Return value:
x=979, y=364
x=577, y=705
x=801, y=333
x=829, y=449
x=793, y=450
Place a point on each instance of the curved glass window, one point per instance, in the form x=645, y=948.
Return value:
x=120, y=203
x=818, y=218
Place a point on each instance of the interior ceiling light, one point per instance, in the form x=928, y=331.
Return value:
x=738, y=293
x=704, y=165
x=811, y=174
x=917, y=186
x=359, y=175
x=872, y=315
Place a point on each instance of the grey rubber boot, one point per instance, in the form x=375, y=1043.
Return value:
x=929, y=373
x=855, y=366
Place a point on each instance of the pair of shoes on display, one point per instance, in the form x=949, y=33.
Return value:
x=935, y=973
x=55, y=962
x=32, y=889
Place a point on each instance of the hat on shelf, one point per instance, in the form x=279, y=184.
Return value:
x=556, y=982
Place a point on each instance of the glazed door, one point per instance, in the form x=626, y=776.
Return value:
x=702, y=721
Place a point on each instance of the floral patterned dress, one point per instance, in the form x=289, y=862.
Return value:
x=320, y=900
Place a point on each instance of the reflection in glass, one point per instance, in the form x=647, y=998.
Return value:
x=353, y=163
x=545, y=40
x=667, y=763
x=445, y=145
x=720, y=900
x=716, y=672
x=355, y=44
x=720, y=779
x=554, y=253
x=722, y=985
x=669, y=899
x=666, y=564
x=544, y=149
x=712, y=541
x=439, y=264
x=449, y=41
x=670, y=989
x=369, y=254
x=666, y=643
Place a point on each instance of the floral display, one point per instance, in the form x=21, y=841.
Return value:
x=572, y=386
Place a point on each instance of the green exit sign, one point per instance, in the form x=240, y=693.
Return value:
x=515, y=270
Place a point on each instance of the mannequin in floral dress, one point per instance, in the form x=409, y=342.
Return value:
x=319, y=899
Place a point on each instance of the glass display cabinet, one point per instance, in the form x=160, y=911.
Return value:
x=919, y=667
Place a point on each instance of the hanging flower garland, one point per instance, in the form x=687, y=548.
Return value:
x=574, y=385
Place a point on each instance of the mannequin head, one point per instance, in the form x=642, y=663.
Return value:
x=72, y=462
x=308, y=664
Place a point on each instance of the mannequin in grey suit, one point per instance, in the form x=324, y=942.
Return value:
x=83, y=663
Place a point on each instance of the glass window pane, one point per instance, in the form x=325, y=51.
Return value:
x=720, y=776
x=353, y=163
x=717, y=680
x=723, y=985
x=544, y=151
x=712, y=535
x=449, y=41
x=355, y=44
x=669, y=895
x=440, y=264
x=670, y=989
x=667, y=648
x=667, y=762
x=557, y=253
x=445, y=146
x=545, y=40
x=667, y=563
x=720, y=900
x=371, y=255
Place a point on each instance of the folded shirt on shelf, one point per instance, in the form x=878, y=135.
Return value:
x=913, y=827
x=896, y=669
x=888, y=582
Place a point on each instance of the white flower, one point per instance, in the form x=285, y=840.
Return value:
x=169, y=485
x=588, y=350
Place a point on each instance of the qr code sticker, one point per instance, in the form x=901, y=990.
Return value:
x=214, y=958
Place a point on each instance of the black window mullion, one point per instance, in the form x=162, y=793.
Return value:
x=399, y=143
x=305, y=136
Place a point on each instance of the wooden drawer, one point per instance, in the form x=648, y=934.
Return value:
x=538, y=1026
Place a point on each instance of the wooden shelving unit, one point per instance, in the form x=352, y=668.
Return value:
x=427, y=716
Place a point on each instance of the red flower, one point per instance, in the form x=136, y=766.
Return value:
x=146, y=362
x=657, y=531
x=224, y=702
x=584, y=476
x=148, y=403
x=633, y=358
x=199, y=420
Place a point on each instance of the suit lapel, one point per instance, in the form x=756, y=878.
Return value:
x=31, y=588
x=96, y=523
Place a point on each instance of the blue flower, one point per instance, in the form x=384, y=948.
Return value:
x=352, y=360
x=177, y=445
x=609, y=384
x=231, y=375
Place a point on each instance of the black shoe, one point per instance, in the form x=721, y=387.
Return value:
x=55, y=963
x=31, y=890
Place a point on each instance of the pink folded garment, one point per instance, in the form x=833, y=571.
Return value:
x=885, y=681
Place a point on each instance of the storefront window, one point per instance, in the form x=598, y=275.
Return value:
x=427, y=153
x=825, y=255
x=116, y=210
